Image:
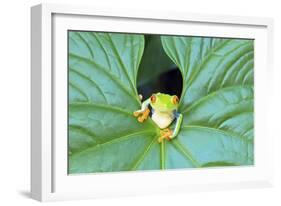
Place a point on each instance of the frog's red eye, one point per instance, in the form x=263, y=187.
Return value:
x=153, y=98
x=175, y=99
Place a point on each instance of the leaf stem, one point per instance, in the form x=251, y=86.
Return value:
x=163, y=155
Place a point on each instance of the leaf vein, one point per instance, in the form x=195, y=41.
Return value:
x=187, y=154
x=124, y=87
x=112, y=141
x=121, y=63
x=141, y=158
x=90, y=80
x=213, y=94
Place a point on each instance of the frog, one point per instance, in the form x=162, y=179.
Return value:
x=164, y=111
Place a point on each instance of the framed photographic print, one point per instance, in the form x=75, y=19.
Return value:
x=134, y=102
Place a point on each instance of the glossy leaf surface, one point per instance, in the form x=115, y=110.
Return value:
x=216, y=102
x=217, y=99
x=103, y=134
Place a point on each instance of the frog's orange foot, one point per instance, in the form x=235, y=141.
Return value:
x=142, y=115
x=165, y=134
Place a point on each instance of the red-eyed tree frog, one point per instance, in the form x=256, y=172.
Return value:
x=164, y=112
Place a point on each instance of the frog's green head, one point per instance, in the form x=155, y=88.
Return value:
x=164, y=102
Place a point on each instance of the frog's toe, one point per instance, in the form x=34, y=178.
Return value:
x=142, y=115
x=165, y=134
x=146, y=113
x=141, y=119
x=161, y=138
x=136, y=113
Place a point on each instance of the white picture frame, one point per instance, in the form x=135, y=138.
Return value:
x=49, y=179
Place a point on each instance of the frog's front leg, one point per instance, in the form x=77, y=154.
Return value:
x=178, y=125
x=143, y=113
x=168, y=133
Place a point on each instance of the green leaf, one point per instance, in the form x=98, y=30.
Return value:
x=103, y=67
x=103, y=134
x=216, y=101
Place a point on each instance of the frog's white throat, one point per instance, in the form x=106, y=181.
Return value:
x=162, y=119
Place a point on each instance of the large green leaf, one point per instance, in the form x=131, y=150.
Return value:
x=217, y=104
x=103, y=134
x=217, y=99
